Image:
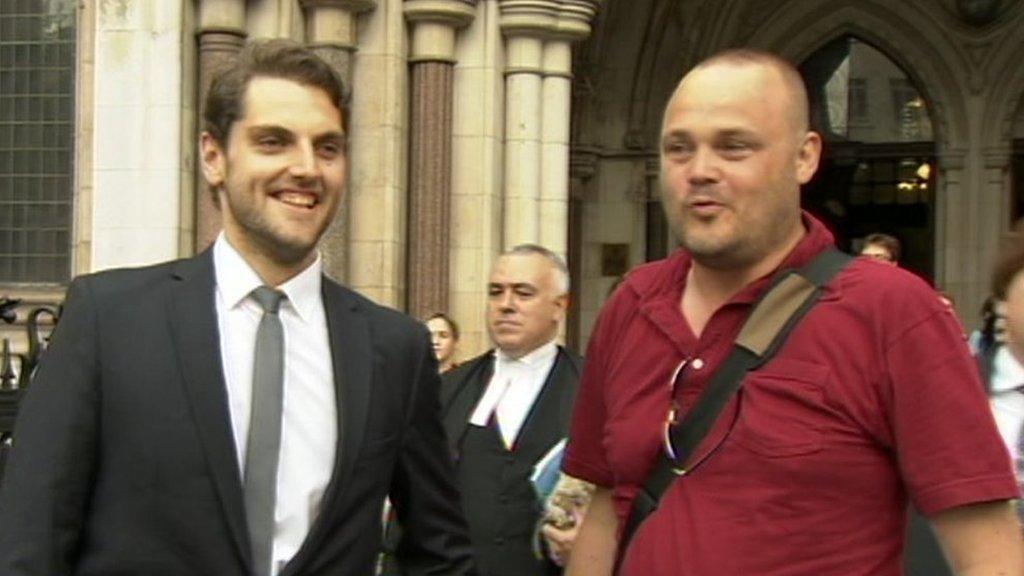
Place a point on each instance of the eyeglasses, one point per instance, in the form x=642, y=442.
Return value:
x=673, y=410
x=673, y=419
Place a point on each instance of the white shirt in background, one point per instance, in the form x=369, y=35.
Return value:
x=514, y=387
x=1007, y=398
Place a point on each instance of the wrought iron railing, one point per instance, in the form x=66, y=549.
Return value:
x=14, y=382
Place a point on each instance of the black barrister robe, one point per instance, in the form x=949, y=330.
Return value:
x=497, y=497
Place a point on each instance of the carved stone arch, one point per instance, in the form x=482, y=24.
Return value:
x=1007, y=97
x=929, y=64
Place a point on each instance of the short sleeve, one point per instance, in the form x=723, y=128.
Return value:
x=949, y=451
x=585, y=456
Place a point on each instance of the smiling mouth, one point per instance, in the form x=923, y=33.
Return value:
x=298, y=199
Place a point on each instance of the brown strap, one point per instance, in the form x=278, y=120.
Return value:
x=774, y=311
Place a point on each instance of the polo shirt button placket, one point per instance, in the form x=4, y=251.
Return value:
x=697, y=363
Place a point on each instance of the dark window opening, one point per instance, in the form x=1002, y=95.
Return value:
x=878, y=166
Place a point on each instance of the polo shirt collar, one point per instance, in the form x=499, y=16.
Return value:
x=1007, y=371
x=236, y=280
x=815, y=241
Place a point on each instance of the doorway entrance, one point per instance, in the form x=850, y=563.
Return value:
x=878, y=168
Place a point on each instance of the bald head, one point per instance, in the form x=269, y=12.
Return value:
x=788, y=77
x=734, y=151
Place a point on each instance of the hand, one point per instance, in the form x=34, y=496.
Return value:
x=560, y=541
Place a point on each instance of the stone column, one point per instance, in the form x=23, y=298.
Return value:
x=477, y=173
x=538, y=74
x=221, y=36
x=331, y=30
x=331, y=34
x=556, y=96
x=582, y=171
x=994, y=226
x=525, y=24
x=956, y=237
x=553, y=215
x=432, y=60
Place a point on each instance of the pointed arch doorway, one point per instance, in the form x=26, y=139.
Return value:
x=878, y=168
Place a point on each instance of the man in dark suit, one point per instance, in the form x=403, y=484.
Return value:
x=507, y=409
x=237, y=412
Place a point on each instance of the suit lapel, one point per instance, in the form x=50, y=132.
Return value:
x=352, y=360
x=543, y=426
x=461, y=401
x=192, y=314
x=565, y=375
x=352, y=357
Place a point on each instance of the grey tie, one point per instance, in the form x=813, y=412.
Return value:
x=263, y=448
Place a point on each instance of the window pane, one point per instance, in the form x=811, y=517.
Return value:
x=37, y=70
x=858, y=94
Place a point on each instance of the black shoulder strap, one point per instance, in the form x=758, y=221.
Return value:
x=782, y=306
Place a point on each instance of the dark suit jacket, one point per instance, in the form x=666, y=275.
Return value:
x=124, y=461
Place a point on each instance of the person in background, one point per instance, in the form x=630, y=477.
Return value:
x=507, y=414
x=1002, y=363
x=887, y=250
x=983, y=341
x=882, y=247
x=444, y=337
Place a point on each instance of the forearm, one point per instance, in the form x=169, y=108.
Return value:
x=982, y=539
x=593, y=553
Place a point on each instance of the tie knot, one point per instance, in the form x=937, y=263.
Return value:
x=268, y=298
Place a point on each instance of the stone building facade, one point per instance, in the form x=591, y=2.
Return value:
x=480, y=124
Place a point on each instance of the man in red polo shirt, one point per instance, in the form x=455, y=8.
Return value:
x=873, y=402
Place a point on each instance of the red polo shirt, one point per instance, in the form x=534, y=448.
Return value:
x=873, y=398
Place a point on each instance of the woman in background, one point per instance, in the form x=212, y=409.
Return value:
x=444, y=335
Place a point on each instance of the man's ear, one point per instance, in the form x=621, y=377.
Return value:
x=562, y=301
x=808, y=156
x=213, y=158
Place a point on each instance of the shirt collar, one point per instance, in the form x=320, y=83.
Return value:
x=816, y=240
x=533, y=359
x=236, y=280
x=1007, y=371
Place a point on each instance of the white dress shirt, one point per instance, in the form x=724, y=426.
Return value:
x=513, y=389
x=1007, y=398
x=309, y=421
